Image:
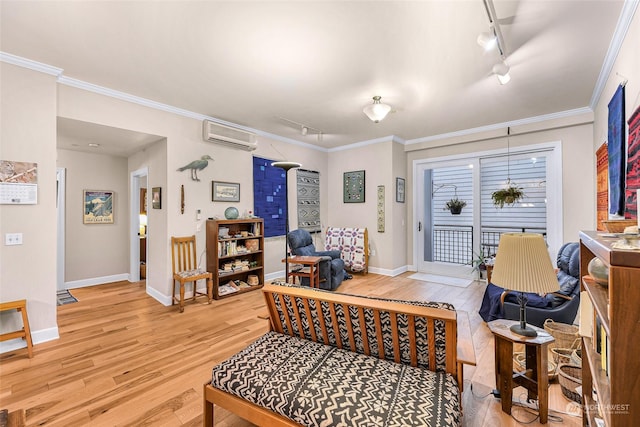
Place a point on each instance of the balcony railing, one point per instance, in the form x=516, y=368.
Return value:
x=454, y=243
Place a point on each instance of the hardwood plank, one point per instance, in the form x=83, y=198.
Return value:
x=124, y=359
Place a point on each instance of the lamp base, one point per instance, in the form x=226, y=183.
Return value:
x=525, y=332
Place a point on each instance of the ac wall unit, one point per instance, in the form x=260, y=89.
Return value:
x=228, y=136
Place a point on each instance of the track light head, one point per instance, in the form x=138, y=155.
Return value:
x=305, y=130
x=487, y=41
x=501, y=70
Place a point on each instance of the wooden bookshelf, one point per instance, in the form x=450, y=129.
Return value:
x=617, y=307
x=241, y=246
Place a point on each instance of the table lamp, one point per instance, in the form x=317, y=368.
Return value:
x=286, y=166
x=523, y=264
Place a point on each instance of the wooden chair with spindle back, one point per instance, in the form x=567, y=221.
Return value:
x=185, y=269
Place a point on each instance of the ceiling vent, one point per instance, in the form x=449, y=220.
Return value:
x=228, y=136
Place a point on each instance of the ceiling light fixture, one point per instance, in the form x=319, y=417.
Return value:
x=495, y=30
x=501, y=71
x=304, y=129
x=487, y=41
x=377, y=111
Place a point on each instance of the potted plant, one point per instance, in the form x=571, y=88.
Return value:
x=479, y=265
x=455, y=206
x=507, y=196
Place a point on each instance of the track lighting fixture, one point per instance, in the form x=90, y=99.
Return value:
x=376, y=111
x=488, y=41
x=304, y=129
x=501, y=70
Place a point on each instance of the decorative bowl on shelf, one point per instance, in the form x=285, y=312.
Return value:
x=618, y=225
x=598, y=271
x=231, y=213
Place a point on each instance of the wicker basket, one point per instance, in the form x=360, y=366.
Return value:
x=564, y=334
x=563, y=355
x=576, y=357
x=520, y=363
x=570, y=378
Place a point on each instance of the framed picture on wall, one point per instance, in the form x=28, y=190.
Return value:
x=353, y=187
x=98, y=207
x=225, y=191
x=156, y=197
x=400, y=190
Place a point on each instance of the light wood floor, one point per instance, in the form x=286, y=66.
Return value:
x=124, y=359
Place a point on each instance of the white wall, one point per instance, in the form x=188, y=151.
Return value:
x=28, y=134
x=95, y=251
x=379, y=161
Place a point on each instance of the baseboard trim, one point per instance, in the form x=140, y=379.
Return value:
x=167, y=299
x=40, y=336
x=96, y=281
x=387, y=272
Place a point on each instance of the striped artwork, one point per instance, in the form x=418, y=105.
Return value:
x=308, y=186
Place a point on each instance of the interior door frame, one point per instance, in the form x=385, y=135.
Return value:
x=134, y=223
x=61, y=197
x=553, y=152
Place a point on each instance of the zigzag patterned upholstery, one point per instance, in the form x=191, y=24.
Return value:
x=422, y=341
x=319, y=385
x=353, y=244
x=335, y=359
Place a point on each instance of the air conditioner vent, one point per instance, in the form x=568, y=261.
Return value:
x=228, y=136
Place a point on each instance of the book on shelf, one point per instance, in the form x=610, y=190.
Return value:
x=586, y=315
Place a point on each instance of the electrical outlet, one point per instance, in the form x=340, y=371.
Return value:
x=12, y=239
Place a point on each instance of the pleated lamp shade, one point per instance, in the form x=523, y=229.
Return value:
x=523, y=264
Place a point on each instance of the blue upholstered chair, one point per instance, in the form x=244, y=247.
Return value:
x=561, y=306
x=331, y=267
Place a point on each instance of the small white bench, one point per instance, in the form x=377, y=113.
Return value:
x=353, y=244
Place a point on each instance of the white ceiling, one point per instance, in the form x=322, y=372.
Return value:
x=320, y=62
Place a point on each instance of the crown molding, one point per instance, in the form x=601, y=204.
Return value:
x=123, y=96
x=31, y=65
x=496, y=126
x=390, y=138
x=622, y=27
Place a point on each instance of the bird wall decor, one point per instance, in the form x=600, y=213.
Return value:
x=197, y=165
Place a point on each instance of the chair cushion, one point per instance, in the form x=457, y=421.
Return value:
x=319, y=385
x=191, y=273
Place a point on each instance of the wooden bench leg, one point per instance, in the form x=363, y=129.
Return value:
x=207, y=414
x=27, y=330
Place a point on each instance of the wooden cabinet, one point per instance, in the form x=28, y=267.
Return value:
x=617, y=309
x=235, y=251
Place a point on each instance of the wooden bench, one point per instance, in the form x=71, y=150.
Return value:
x=338, y=359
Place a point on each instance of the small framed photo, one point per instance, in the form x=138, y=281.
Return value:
x=98, y=207
x=400, y=190
x=225, y=191
x=156, y=197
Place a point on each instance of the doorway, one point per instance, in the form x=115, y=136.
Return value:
x=61, y=174
x=139, y=225
x=450, y=244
